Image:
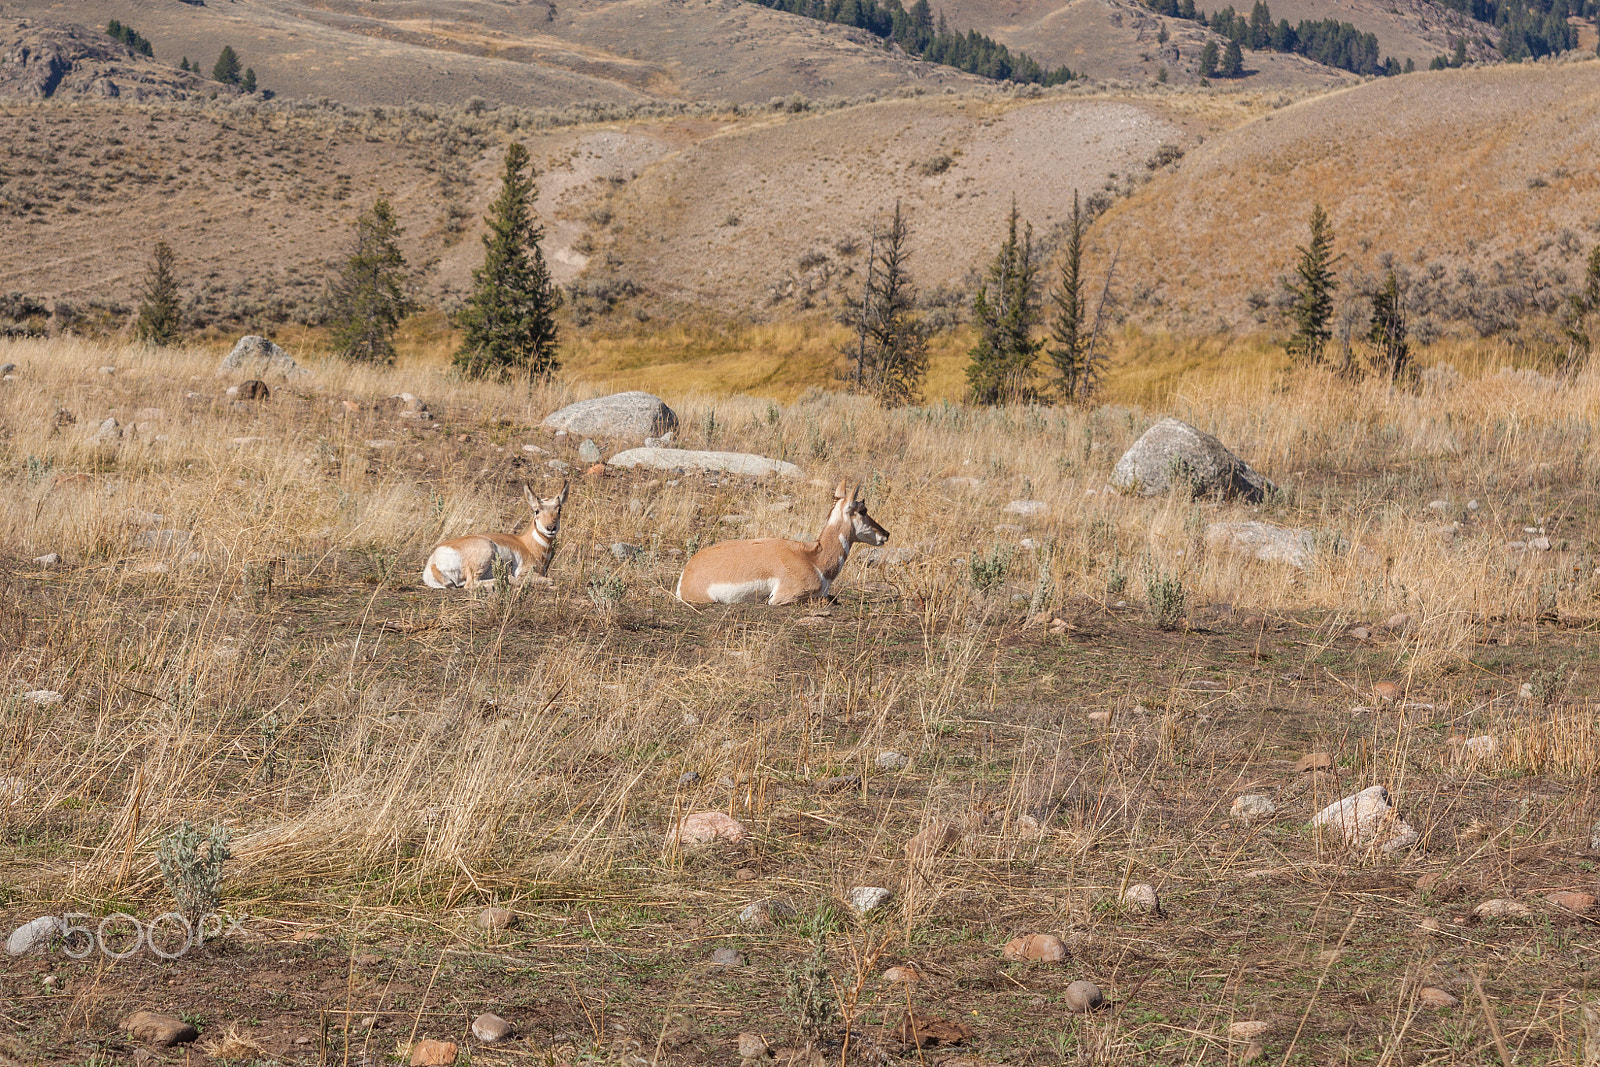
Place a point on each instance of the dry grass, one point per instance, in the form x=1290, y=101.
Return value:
x=390, y=759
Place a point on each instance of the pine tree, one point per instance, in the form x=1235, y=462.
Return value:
x=1312, y=305
x=1074, y=348
x=368, y=299
x=1208, y=60
x=159, y=316
x=1232, y=61
x=1006, y=311
x=509, y=320
x=249, y=82
x=183, y=64
x=1388, y=329
x=889, y=357
x=226, y=70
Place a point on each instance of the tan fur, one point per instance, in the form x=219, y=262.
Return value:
x=774, y=570
x=465, y=562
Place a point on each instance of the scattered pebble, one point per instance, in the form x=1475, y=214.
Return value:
x=1367, y=820
x=1472, y=505
x=1046, y=948
x=704, y=827
x=1431, y=925
x=1083, y=995
x=1026, y=508
x=1252, y=807
x=624, y=551
x=931, y=840
x=49, y=559
x=1480, y=747
x=1400, y=622
x=691, y=719
x=1438, y=505
x=764, y=913
x=1313, y=761
x=589, y=452
x=496, y=919
x=12, y=790
x=688, y=778
x=902, y=975
x=1101, y=718
x=745, y=874
x=1572, y=900
x=1029, y=827
x=162, y=1031
x=865, y=899
x=431, y=1053
x=727, y=958
x=1433, y=997
x=32, y=934
x=1388, y=692
x=1501, y=908
x=752, y=1046
x=368, y=959
x=1142, y=897
x=1361, y=633
x=838, y=783
x=892, y=761
x=1526, y=692
x=490, y=1028
x=44, y=698
x=1248, y=1029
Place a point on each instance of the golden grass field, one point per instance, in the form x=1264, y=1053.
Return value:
x=390, y=760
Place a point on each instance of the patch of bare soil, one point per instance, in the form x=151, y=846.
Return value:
x=1478, y=184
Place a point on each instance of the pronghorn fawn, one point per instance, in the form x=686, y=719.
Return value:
x=465, y=562
x=778, y=571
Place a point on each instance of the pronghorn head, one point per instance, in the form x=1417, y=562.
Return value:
x=546, y=510
x=851, y=510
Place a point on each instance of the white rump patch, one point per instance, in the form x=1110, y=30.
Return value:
x=448, y=562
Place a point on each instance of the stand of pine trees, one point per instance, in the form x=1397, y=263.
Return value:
x=917, y=34
x=130, y=37
x=1328, y=41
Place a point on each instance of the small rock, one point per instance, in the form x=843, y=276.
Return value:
x=1142, y=897
x=760, y=913
x=1082, y=996
x=490, y=1028
x=254, y=389
x=49, y=559
x=536, y=450
x=368, y=959
x=1572, y=900
x=1526, y=692
x=162, y=539
x=1388, y=692
x=727, y=958
x=704, y=827
x=1102, y=718
x=688, y=778
x=690, y=719
x=633, y=415
x=1500, y=908
x=1472, y=505
x=162, y=1031
x=891, y=761
x=1313, y=761
x=109, y=431
x=39, y=932
x=838, y=783
x=932, y=840
x=12, y=790
x=1361, y=633
x=1367, y=820
x=558, y=465
x=1007, y=528
x=496, y=919
x=1399, y=622
x=1594, y=838
x=624, y=551
x=44, y=698
x=1480, y=747
x=1433, y=997
x=1046, y=948
x=1252, y=807
x=902, y=976
x=664, y=441
x=7, y=368
x=258, y=356
x=1026, y=508
x=108, y=370
x=597, y=470
x=961, y=482
x=589, y=452
x=431, y=1053
x=745, y=874
x=1252, y=1052
x=752, y=1046
x=1029, y=828
x=382, y=442
x=865, y=899
x=1248, y=1029
x=1430, y=925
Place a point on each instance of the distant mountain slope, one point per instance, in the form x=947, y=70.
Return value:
x=1480, y=183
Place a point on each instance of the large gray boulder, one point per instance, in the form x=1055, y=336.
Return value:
x=257, y=357
x=632, y=415
x=1173, y=452
x=668, y=459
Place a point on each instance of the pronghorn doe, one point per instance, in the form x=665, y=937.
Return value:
x=776, y=570
x=470, y=560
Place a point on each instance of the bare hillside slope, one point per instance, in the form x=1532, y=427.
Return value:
x=1480, y=184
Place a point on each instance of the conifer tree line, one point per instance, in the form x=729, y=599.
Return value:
x=1527, y=27
x=918, y=34
x=1328, y=41
x=130, y=37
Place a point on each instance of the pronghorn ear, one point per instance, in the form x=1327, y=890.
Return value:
x=857, y=494
x=839, y=493
x=561, y=498
x=527, y=494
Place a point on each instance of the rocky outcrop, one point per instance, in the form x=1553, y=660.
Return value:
x=633, y=415
x=41, y=58
x=1174, y=454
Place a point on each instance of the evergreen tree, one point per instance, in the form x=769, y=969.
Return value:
x=1388, y=329
x=1232, y=61
x=1311, y=306
x=249, y=82
x=183, y=64
x=159, y=317
x=1006, y=311
x=368, y=298
x=1069, y=331
x=509, y=320
x=889, y=357
x=1208, y=60
x=226, y=70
